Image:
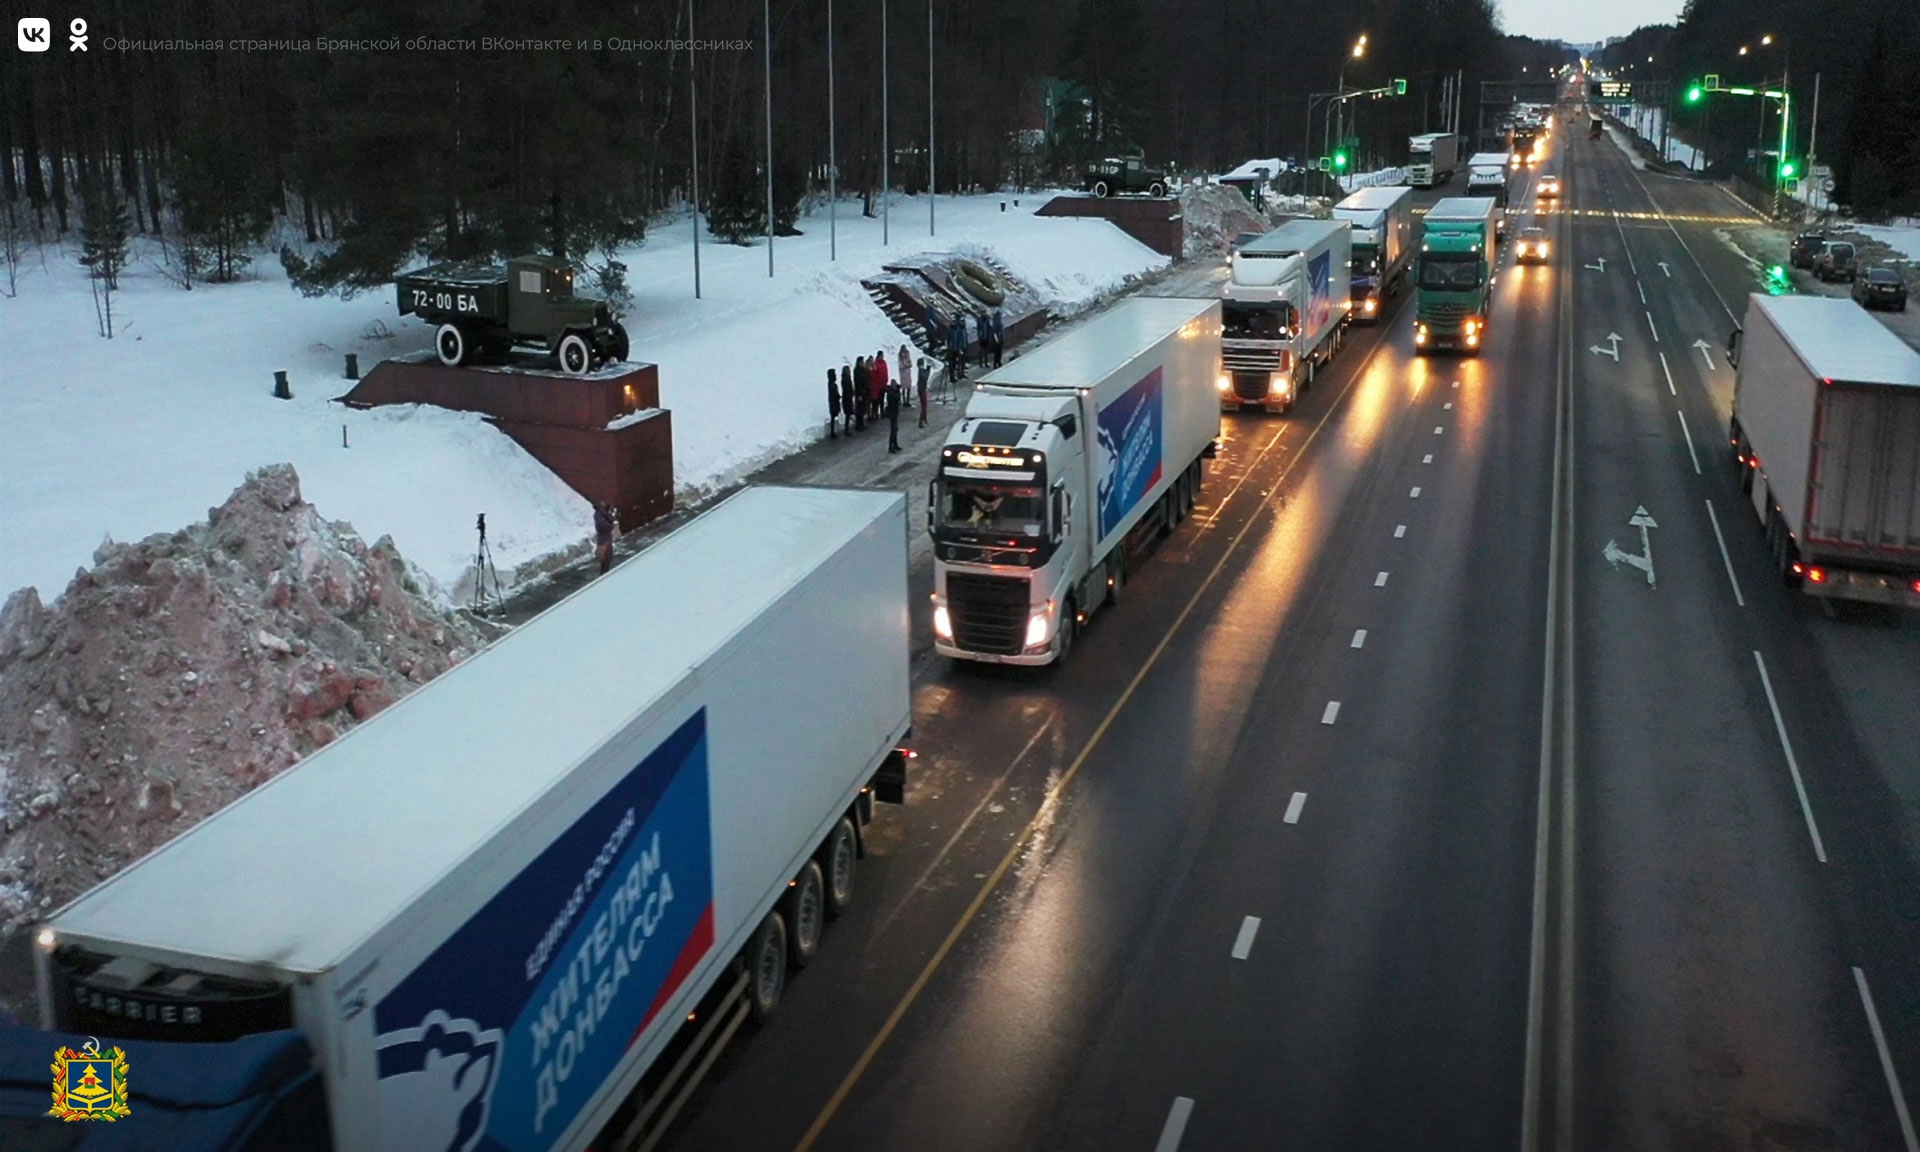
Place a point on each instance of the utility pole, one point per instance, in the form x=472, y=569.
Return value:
x=693, y=130
x=766, y=14
x=1813, y=136
x=930, y=152
x=833, y=171
x=886, y=149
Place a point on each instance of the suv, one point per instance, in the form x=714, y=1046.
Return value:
x=1837, y=261
x=1806, y=249
x=1880, y=288
x=1130, y=174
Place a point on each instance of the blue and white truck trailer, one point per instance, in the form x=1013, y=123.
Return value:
x=1382, y=219
x=1288, y=301
x=542, y=888
x=1063, y=459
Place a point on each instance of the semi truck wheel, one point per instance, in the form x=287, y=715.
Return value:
x=1116, y=573
x=1100, y=189
x=576, y=355
x=451, y=343
x=840, y=859
x=806, y=913
x=1069, y=627
x=766, y=960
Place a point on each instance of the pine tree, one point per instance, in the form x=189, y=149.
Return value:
x=737, y=209
x=104, y=234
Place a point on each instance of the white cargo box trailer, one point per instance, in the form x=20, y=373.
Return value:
x=493, y=906
x=1826, y=429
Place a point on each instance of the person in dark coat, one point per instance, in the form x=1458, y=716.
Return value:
x=926, y=367
x=999, y=337
x=957, y=349
x=986, y=341
x=833, y=404
x=893, y=416
x=860, y=393
x=603, y=520
x=846, y=394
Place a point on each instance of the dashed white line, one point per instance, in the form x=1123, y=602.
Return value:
x=1176, y=1125
x=1294, y=805
x=1689, y=435
x=1414, y=495
x=1448, y=406
x=1640, y=288
x=1456, y=383
x=1380, y=581
x=1427, y=459
x=1437, y=429
x=1243, y=943
x=1731, y=579
x=1655, y=331
x=1669, y=373
x=1399, y=530
x=1793, y=765
x=1886, y=1062
x=1332, y=713
x=1359, y=638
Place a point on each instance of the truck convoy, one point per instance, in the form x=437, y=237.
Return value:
x=490, y=308
x=570, y=867
x=1487, y=175
x=1288, y=301
x=1455, y=274
x=1382, y=220
x=1826, y=430
x=1064, y=458
x=1432, y=158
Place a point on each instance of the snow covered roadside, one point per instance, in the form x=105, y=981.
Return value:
x=142, y=433
x=1648, y=123
x=1902, y=238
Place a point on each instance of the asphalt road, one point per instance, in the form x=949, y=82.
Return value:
x=1507, y=894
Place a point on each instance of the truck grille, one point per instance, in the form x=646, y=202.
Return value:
x=989, y=613
x=1445, y=313
x=1250, y=385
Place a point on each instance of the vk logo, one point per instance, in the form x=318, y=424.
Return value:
x=436, y=1083
x=36, y=34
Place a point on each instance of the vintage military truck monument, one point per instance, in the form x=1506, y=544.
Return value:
x=487, y=309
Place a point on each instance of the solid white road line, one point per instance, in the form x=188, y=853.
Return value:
x=1294, y=805
x=1359, y=638
x=1332, y=713
x=1380, y=581
x=1414, y=495
x=1243, y=943
x=1399, y=530
x=1651, y=328
x=1669, y=373
x=1176, y=1125
x=1793, y=765
x=1731, y=579
x=1427, y=459
x=1886, y=1062
x=1689, y=435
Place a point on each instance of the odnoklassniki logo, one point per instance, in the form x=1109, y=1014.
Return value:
x=89, y=1084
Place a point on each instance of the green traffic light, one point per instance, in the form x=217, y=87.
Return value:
x=1340, y=161
x=1694, y=94
x=1787, y=169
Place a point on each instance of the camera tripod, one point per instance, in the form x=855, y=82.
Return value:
x=483, y=569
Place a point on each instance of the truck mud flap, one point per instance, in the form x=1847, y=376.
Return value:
x=1212, y=449
x=890, y=782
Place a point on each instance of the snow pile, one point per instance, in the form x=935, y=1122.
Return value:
x=1903, y=240
x=1256, y=169
x=182, y=671
x=1215, y=214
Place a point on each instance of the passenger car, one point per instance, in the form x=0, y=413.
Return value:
x=1806, y=249
x=1880, y=288
x=1531, y=247
x=1837, y=261
x=1549, y=188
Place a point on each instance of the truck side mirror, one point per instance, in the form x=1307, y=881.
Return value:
x=1733, y=347
x=930, y=498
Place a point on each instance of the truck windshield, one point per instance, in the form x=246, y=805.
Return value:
x=980, y=505
x=1366, y=261
x=1256, y=321
x=1450, y=273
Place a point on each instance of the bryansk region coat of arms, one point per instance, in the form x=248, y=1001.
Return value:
x=89, y=1084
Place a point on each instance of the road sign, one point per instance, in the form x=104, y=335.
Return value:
x=1713, y=81
x=1826, y=185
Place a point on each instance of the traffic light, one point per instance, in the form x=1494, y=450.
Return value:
x=1777, y=282
x=1788, y=169
x=1399, y=87
x=1695, y=94
x=1340, y=160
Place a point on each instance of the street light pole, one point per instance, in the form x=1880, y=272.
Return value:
x=693, y=131
x=833, y=172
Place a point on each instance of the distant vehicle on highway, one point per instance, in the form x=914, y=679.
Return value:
x=1549, y=188
x=1880, y=288
x=1531, y=248
x=1806, y=249
x=1837, y=261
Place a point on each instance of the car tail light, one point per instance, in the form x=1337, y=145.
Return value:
x=1817, y=575
x=1916, y=587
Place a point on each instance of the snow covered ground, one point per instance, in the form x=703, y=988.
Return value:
x=1647, y=121
x=142, y=433
x=1903, y=238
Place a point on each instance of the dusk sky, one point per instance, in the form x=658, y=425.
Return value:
x=1583, y=21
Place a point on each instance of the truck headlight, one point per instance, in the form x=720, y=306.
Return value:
x=942, y=623
x=1040, y=626
x=1278, y=384
x=1419, y=333
x=1371, y=306
x=1224, y=382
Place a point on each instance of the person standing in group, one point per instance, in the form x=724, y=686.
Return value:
x=846, y=394
x=893, y=416
x=860, y=393
x=956, y=346
x=986, y=341
x=999, y=337
x=833, y=405
x=876, y=383
x=603, y=522
x=926, y=366
x=905, y=375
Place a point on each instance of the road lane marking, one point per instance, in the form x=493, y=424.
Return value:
x=1640, y=288
x=1793, y=765
x=1176, y=1125
x=1448, y=406
x=1456, y=383
x=1666, y=219
x=1414, y=495
x=1359, y=638
x=1380, y=581
x=1669, y=374
x=1294, y=805
x=1651, y=328
x=1332, y=713
x=1731, y=579
x=1689, y=435
x=1886, y=1062
x=1399, y=530
x=1427, y=459
x=1706, y=350
x=1243, y=943
x=1437, y=429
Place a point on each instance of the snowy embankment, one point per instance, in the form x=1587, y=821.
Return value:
x=142, y=433
x=1648, y=124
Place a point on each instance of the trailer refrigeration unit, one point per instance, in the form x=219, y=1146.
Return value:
x=1287, y=303
x=1382, y=220
x=1826, y=430
x=1064, y=459
x=1432, y=158
x=493, y=908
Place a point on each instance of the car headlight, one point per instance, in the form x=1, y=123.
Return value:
x=942, y=623
x=1039, y=625
x=1224, y=382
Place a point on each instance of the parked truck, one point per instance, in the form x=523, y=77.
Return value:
x=1432, y=158
x=1487, y=175
x=1454, y=296
x=526, y=302
x=1288, y=300
x=1064, y=460
x=1826, y=431
x=541, y=891
x=1382, y=220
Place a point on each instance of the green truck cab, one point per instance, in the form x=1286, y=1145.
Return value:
x=1454, y=276
x=527, y=302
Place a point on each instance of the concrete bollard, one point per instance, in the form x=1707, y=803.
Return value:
x=353, y=366
x=1003, y=205
x=280, y=389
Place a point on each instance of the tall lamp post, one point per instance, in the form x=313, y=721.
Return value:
x=1340, y=99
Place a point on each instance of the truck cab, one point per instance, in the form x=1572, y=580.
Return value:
x=1455, y=275
x=1284, y=306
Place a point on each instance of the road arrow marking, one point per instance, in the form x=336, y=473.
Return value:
x=1600, y=267
x=1644, y=561
x=1706, y=350
x=1613, y=338
x=1663, y=268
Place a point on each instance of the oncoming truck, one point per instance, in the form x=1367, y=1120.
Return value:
x=528, y=301
x=1064, y=459
x=1287, y=303
x=565, y=870
x=1382, y=219
x=1826, y=432
x=1454, y=276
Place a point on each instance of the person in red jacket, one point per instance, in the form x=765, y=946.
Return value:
x=877, y=381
